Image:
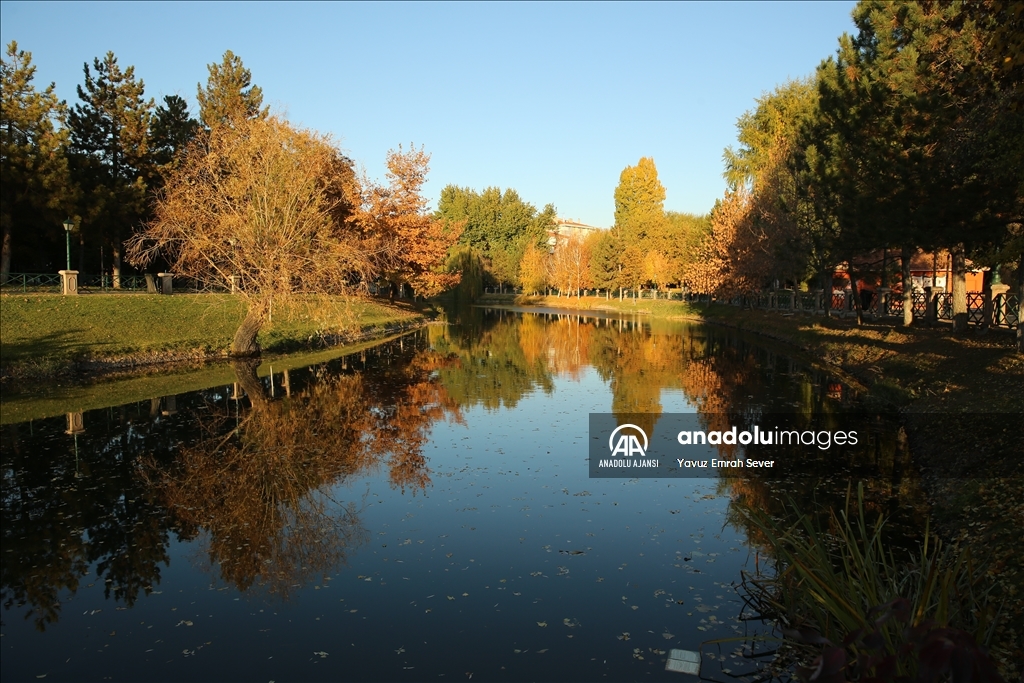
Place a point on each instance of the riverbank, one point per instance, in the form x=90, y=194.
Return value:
x=919, y=372
x=50, y=336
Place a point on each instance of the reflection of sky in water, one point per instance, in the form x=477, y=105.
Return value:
x=511, y=565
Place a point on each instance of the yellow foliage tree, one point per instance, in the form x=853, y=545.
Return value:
x=533, y=270
x=264, y=204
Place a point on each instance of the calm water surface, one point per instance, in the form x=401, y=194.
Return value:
x=418, y=511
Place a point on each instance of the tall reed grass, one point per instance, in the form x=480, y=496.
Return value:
x=853, y=608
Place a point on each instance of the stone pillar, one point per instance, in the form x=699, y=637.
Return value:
x=68, y=281
x=76, y=423
x=848, y=303
x=819, y=300
x=883, y=300
x=999, y=303
x=165, y=283
x=170, y=405
x=236, y=281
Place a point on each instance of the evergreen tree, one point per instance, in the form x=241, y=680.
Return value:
x=110, y=159
x=34, y=188
x=173, y=129
x=229, y=93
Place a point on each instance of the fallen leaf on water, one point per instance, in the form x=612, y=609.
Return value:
x=542, y=624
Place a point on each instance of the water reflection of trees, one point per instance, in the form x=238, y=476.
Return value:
x=61, y=515
x=262, y=493
x=729, y=380
x=253, y=477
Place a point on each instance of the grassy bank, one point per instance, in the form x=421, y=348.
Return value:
x=50, y=335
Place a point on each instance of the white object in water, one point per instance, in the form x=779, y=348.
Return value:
x=683, y=661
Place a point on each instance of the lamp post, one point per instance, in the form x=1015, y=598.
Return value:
x=69, y=225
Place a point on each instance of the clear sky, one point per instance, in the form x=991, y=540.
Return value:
x=553, y=100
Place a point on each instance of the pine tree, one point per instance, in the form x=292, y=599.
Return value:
x=172, y=131
x=229, y=93
x=110, y=155
x=35, y=186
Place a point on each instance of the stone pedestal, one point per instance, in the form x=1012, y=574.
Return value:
x=68, y=281
x=999, y=303
x=166, y=286
x=170, y=405
x=76, y=423
x=883, y=300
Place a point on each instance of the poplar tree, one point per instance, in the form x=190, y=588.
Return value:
x=639, y=202
x=34, y=187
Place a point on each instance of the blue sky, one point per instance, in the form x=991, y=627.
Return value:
x=553, y=100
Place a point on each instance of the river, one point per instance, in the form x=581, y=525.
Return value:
x=418, y=510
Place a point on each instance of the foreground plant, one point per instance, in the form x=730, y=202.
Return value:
x=852, y=610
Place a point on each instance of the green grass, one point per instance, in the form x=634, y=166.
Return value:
x=42, y=335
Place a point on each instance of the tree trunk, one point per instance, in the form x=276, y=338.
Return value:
x=855, y=290
x=908, y=287
x=245, y=371
x=959, y=289
x=1020, y=303
x=116, y=268
x=244, y=344
x=5, y=255
x=826, y=291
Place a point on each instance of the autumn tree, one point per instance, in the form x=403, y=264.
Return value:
x=411, y=246
x=533, y=270
x=33, y=160
x=570, y=265
x=733, y=258
x=229, y=94
x=264, y=203
x=797, y=236
x=110, y=157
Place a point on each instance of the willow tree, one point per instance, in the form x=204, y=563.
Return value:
x=266, y=207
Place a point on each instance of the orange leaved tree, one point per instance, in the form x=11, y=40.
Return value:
x=266, y=207
x=409, y=245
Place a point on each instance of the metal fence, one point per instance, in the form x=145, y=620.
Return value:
x=1001, y=311
x=50, y=283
